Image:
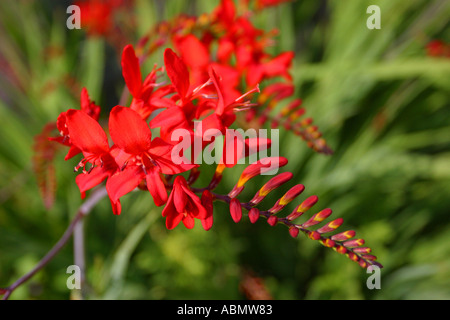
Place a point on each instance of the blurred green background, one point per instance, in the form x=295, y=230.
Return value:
x=381, y=103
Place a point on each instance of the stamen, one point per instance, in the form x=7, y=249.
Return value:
x=207, y=83
x=124, y=166
x=255, y=89
x=143, y=168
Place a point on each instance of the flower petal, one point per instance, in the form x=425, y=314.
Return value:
x=161, y=153
x=129, y=131
x=86, y=181
x=220, y=108
x=131, y=71
x=173, y=218
x=116, y=207
x=156, y=187
x=124, y=181
x=89, y=106
x=177, y=72
x=179, y=196
x=193, y=52
x=86, y=133
x=188, y=221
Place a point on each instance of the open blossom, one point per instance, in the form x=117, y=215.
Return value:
x=139, y=157
x=89, y=137
x=184, y=206
x=134, y=157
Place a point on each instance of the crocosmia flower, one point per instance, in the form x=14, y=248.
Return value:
x=139, y=157
x=87, y=135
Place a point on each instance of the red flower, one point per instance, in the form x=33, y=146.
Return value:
x=88, y=136
x=140, y=157
x=96, y=16
x=184, y=205
x=145, y=98
x=87, y=106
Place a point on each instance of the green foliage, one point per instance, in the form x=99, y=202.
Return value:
x=381, y=103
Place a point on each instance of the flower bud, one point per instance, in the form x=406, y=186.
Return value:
x=253, y=215
x=272, y=184
x=236, y=210
x=272, y=221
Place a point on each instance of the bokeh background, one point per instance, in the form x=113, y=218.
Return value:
x=379, y=98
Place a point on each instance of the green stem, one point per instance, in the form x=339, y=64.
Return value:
x=84, y=210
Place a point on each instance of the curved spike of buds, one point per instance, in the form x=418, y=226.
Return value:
x=287, y=198
x=331, y=226
x=262, y=166
x=271, y=185
x=302, y=208
x=289, y=112
x=236, y=210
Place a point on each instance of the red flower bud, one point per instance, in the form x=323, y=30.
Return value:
x=253, y=215
x=331, y=226
x=272, y=184
x=293, y=231
x=354, y=243
x=362, y=250
x=343, y=235
x=235, y=210
x=317, y=218
x=287, y=198
x=272, y=220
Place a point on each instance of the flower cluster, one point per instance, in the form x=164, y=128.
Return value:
x=136, y=158
x=214, y=76
x=227, y=40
